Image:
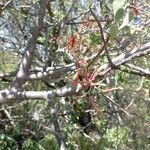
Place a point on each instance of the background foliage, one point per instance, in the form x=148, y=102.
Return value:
x=70, y=34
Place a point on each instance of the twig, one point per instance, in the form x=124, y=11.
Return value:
x=141, y=84
x=8, y=115
x=49, y=130
x=129, y=104
x=99, y=25
x=5, y=6
x=112, y=101
x=98, y=54
x=103, y=37
x=105, y=42
x=125, y=57
x=135, y=70
x=90, y=138
x=138, y=69
x=54, y=119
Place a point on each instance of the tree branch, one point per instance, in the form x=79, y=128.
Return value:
x=125, y=57
x=51, y=72
x=29, y=51
x=136, y=70
x=54, y=118
x=6, y=96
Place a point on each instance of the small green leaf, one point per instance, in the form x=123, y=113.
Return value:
x=113, y=31
x=128, y=17
x=2, y=136
x=94, y=39
x=40, y=40
x=125, y=21
x=117, y=4
x=119, y=14
x=131, y=16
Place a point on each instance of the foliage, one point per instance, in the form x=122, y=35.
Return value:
x=74, y=74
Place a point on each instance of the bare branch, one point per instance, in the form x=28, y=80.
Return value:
x=125, y=57
x=54, y=119
x=29, y=52
x=52, y=72
x=113, y=102
x=99, y=53
x=143, y=72
x=6, y=96
x=136, y=70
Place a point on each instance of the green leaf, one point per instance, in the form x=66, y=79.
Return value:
x=128, y=17
x=117, y=4
x=131, y=16
x=113, y=31
x=40, y=40
x=94, y=39
x=119, y=14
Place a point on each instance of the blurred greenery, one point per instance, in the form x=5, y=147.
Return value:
x=111, y=128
